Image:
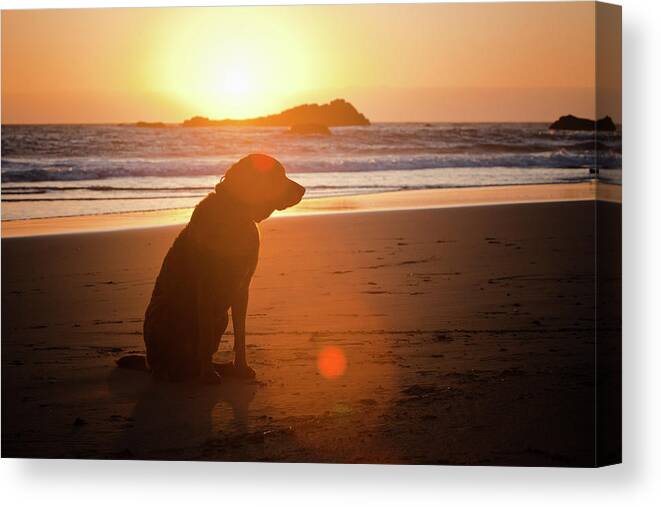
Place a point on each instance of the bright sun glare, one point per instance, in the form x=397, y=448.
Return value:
x=231, y=64
x=235, y=82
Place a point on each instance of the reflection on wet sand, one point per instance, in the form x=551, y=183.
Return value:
x=169, y=416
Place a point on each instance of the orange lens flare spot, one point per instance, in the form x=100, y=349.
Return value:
x=332, y=362
x=262, y=162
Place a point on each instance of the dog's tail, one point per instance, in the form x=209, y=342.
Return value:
x=136, y=362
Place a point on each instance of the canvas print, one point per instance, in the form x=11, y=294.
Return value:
x=384, y=234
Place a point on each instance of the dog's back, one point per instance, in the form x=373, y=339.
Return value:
x=171, y=313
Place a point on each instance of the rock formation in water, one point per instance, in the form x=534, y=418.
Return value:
x=337, y=113
x=151, y=124
x=571, y=122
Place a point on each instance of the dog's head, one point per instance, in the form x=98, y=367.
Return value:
x=259, y=182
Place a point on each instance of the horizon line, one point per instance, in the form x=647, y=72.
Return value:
x=180, y=123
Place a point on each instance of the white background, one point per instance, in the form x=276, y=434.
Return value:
x=636, y=482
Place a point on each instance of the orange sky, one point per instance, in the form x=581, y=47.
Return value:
x=447, y=62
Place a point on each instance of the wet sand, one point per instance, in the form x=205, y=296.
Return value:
x=411, y=199
x=469, y=335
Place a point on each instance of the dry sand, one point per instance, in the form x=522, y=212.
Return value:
x=469, y=334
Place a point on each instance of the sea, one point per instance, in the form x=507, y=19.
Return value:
x=65, y=170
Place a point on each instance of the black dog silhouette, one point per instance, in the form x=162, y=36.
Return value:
x=207, y=271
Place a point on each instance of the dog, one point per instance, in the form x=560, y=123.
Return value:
x=208, y=270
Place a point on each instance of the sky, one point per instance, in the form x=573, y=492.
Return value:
x=443, y=62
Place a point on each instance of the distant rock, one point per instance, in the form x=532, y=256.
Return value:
x=200, y=121
x=310, y=129
x=571, y=122
x=151, y=124
x=606, y=124
x=337, y=113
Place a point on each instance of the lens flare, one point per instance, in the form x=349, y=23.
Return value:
x=331, y=362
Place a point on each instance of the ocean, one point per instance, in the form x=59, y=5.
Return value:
x=65, y=170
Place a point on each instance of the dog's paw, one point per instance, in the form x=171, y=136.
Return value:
x=210, y=378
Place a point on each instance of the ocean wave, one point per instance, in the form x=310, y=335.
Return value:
x=105, y=198
x=35, y=170
x=20, y=190
x=53, y=170
x=80, y=152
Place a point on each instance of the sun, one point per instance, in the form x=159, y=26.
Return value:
x=229, y=63
x=234, y=82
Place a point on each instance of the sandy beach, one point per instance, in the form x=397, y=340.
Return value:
x=468, y=332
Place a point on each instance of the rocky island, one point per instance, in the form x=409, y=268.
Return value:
x=571, y=122
x=151, y=125
x=337, y=113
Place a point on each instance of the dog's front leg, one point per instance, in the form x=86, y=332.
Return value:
x=206, y=342
x=239, y=312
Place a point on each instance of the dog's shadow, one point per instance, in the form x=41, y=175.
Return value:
x=176, y=416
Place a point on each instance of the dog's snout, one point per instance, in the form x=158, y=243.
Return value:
x=299, y=189
x=293, y=195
